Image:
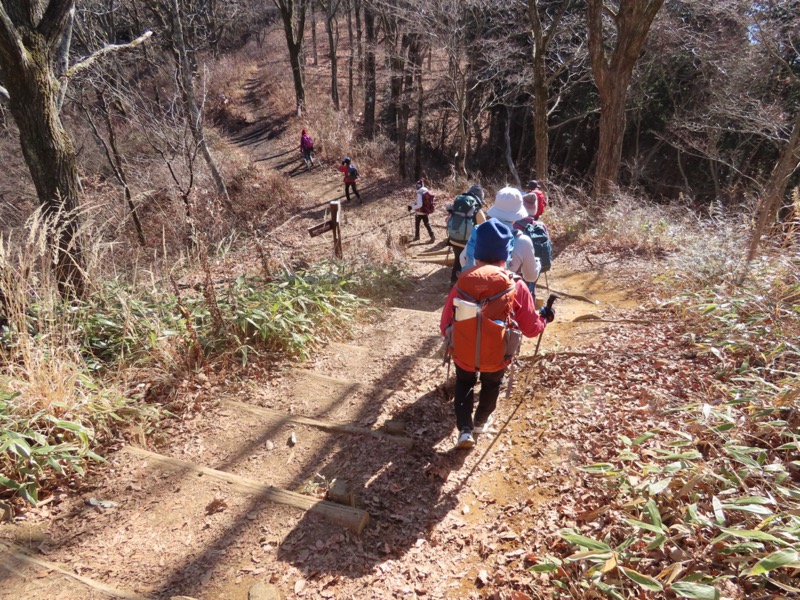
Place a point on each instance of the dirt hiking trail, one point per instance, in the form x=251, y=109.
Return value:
x=203, y=512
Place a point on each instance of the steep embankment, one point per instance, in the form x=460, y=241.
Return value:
x=442, y=523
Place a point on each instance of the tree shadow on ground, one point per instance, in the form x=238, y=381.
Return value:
x=401, y=489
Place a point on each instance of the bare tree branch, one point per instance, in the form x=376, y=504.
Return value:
x=108, y=49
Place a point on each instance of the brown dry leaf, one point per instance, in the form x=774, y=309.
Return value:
x=215, y=506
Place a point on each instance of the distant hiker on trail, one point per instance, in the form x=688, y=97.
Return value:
x=483, y=317
x=350, y=177
x=307, y=149
x=464, y=213
x=424, y=206
x=535, y=199
x=508, y=208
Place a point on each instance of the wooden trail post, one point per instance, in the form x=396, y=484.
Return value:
x=337, y=234
x=332, y=224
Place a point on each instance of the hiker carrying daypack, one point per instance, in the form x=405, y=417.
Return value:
x=424, y=207
x=484, y=318
x=307, y=148
x=462, y=218
x=537, y=233
x=508, y=208
x=351, y=175
x=463, y=214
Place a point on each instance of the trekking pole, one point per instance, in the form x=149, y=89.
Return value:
x=510, y=385
x=546, y=283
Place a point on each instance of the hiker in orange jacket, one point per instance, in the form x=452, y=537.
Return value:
x=350, y=177
x=479, y=348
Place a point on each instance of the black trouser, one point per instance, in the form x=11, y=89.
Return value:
x=457, y=250
x=348, y=185
x=465, y=396
x=420, y=218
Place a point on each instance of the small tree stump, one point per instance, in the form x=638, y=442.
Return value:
x=341, y=493
x=395, y=427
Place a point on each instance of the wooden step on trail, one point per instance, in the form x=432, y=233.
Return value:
x=354, y=519
x=427, y=253
x=9, y=549
x=276, y=415
x=433, y=260
x=413, y=311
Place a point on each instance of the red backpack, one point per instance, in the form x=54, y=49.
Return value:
x=486, y=341
x=428, y=203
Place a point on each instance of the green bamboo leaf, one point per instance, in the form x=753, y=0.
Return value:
x=659, y=486
x=642, y=580
x=586, y=542
x=699, y=591
x=753, y=534
x=756, y=509
x=652, y=511
x=719, y=514
x=779, y=558
x=645, y=526
x=543, y=568
x=645, y=436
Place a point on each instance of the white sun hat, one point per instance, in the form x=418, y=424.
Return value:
x=508, y=205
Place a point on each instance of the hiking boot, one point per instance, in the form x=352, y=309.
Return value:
x=465, y=440
x=416, y=238
x=484, y=428
x=433, y=239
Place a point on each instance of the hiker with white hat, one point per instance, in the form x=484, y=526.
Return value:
x=508, y=208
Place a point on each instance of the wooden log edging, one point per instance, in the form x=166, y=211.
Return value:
x=276, y=415
x=354, y=519
x=23, y=555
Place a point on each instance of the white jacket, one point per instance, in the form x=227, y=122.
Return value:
x=417, y=206
x=523, y=258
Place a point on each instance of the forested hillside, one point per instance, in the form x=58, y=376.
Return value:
x=202, y=395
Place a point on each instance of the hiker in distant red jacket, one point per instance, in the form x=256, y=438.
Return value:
x=477, y=338
x=350, y=177
x=535, y=200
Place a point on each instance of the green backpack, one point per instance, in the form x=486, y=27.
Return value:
x=462, y=218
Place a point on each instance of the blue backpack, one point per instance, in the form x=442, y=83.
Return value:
x=542, y=247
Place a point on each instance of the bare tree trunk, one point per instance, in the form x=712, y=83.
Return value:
x=770, y=202
x=193, y=112
x=420, y=110
x=541, y=92
x=27, y=62
x=314, y=53
x=293, y=15
x=405, y=111
x=330, y=15
x=509, y=155
x=397, y=62
x=612, y=70
x=357, y=10
x=370, y=87
x=351, y=57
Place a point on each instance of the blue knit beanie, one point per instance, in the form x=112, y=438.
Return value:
x=493, y=241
